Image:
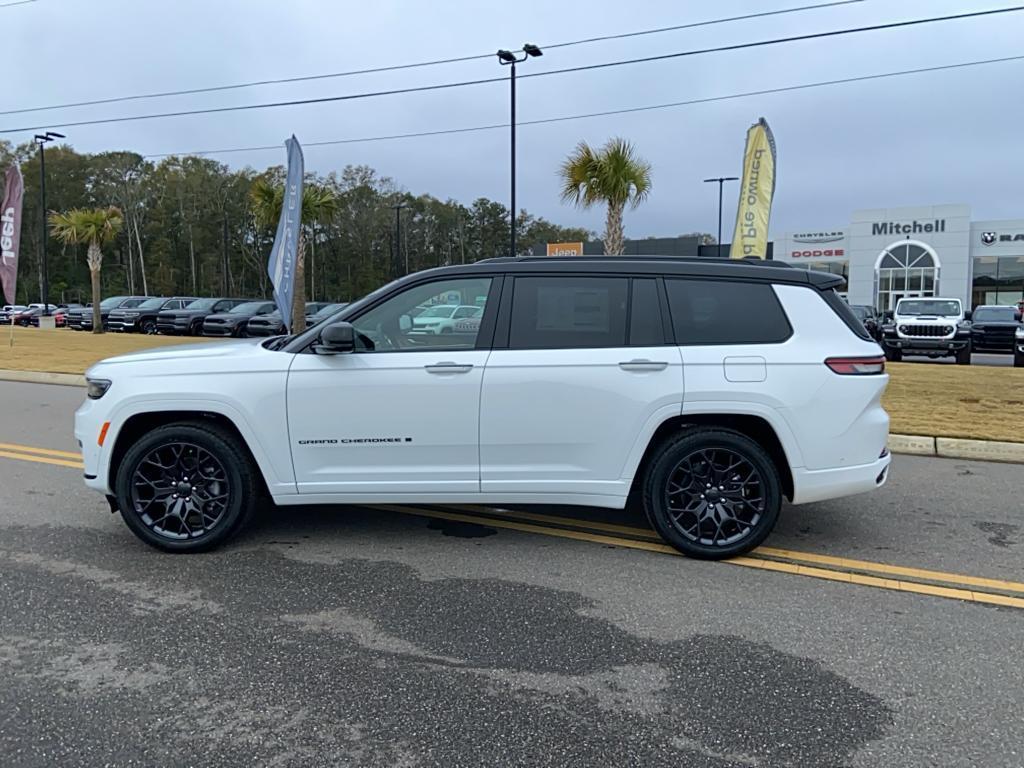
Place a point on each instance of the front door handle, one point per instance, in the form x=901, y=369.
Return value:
x=449, y=367
x=643, y=365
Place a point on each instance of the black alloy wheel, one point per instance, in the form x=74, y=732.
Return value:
x=186, y=487
x=712, y=493
x=148, y=326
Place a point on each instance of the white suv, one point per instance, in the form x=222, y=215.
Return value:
x=442, y=318
x=705, y=390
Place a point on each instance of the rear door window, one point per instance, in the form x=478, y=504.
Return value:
x=725, y=312
x=568, y=312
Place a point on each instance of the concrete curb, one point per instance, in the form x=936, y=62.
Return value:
x=43, y=377
x=957, y=448
x=914, y=445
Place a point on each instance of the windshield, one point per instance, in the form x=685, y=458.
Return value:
x=152, y=304
x=113, y=301
x=201, y=304
x=441, y=311
x=249, y=308
x=861, y=313
x=995, y=315
x=928, y=307
x=330, y=309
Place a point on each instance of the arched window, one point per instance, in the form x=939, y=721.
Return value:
x=907, y=268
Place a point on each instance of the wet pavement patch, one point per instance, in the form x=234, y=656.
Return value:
x=999, y=533
x=460, y=529
x=369, y=663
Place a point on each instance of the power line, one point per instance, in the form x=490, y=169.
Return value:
x=434, y=62
x=442, y=86
x=606, y=113
x=18, y=2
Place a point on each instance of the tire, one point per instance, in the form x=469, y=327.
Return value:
x=148, y=327
x=894, y=355
x=1018, y=360
x=963, y=356
x=686, y=459
x=205, y=449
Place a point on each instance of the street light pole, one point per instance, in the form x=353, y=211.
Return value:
x=510, y=59
x=721, y=182
x=41, y=140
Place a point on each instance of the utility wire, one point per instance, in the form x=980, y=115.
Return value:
x=18, y=2
x=606, y=113
x=397, y=67
x=443, y=86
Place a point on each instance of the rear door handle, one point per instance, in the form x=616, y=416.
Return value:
x=449, y=367
x=643, y=365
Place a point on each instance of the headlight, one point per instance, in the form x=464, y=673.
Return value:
x=947, y=329
x=130, y=314
x=96, y=388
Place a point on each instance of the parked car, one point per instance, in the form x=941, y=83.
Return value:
x=189, y=319
x=142, y=318
x=868, y=315
x=441, y=318
x=271, y=324
x=1018, y=348
x=10, y=310
x=324, y=312
x=933, y=327
x=993, y=329
x=24, y=317
x=235, y=321
x=570, y=391
x=82, y=318
x=59, y=318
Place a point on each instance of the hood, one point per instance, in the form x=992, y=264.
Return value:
x=199, y=358
x=188, y=312
x=227, y=317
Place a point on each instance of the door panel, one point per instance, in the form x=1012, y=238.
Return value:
x=400, y=414
x=369, y=423
x=565, y=420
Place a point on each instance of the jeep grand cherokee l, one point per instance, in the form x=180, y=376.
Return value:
x=588, y=381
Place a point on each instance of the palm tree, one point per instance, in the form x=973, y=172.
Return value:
x=95, y=227
x=613, y=175
x=319, y=204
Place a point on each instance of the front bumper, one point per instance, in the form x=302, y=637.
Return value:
x=822, y=484
x=173, y=327
x=122, y=324
x=925, y=344
x=89, y=420
x=219, y=330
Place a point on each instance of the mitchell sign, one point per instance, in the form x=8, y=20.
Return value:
x=912, y=228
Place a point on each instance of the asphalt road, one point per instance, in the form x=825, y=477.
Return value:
x=352, y=636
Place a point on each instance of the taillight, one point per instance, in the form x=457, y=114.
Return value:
x=857, y=366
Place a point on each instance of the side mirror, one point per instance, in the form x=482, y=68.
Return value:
x=405, y=323
x=336, y=339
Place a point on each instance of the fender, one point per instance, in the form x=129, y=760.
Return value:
x=276, y=471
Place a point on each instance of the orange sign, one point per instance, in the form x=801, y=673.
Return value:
x=565, y=249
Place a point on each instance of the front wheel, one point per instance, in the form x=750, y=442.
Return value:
x=1018, y=359
x=963, y=356
x=148, y=327
x=894, y=355
x=186, y=487
x=712, y=493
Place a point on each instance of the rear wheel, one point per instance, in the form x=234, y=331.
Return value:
x=712, y=493
x=893, y=355
x=963, y=356
x=186, y=487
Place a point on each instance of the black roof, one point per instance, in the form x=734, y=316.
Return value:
x=730, y=269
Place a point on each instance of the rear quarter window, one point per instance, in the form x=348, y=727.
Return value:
x=726, y=312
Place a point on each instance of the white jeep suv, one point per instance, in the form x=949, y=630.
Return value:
x=928, y=326
x=705, y=390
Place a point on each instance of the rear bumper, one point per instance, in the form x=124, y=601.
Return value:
x=821, y=484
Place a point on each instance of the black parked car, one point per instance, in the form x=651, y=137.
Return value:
x=868, y=315
x=324, y=312
x=271, y=324
x=993, y=329
x=81, y=319
x=188, y=321
x=142, y=318
x=235, y=320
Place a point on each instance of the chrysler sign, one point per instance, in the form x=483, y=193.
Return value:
x=818, y=237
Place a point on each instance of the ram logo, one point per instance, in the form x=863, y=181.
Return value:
x=987, y=238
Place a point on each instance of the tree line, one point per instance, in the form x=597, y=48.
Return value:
x=192, y=226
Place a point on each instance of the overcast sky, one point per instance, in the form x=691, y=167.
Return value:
x=945, y=137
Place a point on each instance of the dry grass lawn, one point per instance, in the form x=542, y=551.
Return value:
x=979, y=402
x=66, y=351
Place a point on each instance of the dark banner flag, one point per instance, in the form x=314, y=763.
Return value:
x=10, y=231
x=281, y=266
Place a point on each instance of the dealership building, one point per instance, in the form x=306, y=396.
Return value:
x=888, y=253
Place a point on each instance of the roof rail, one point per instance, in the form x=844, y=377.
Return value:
x=695, y=259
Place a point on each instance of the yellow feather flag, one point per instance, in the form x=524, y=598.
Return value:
x=756, y=190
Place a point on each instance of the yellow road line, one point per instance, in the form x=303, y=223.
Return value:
x=748, y=561
x=41, y=451
x=810, y=558
x=41, y=459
